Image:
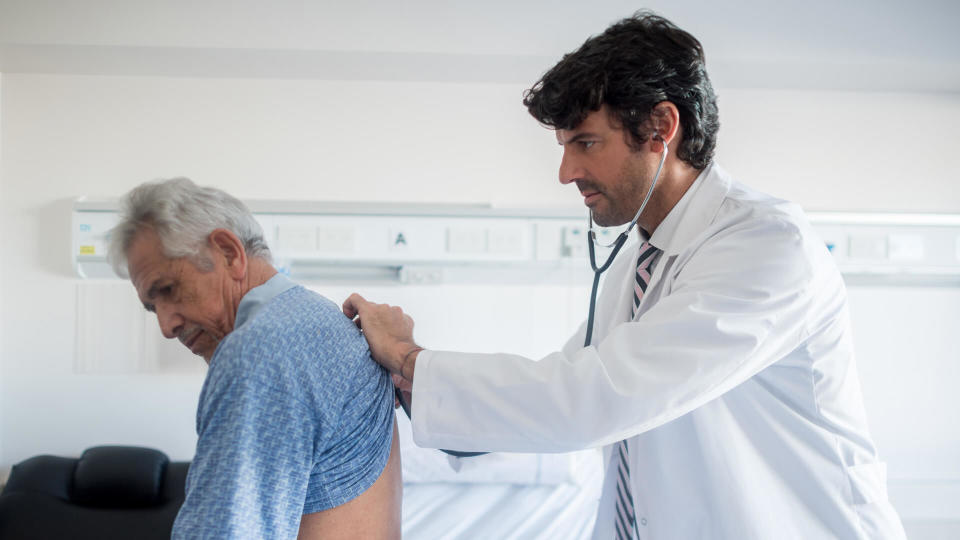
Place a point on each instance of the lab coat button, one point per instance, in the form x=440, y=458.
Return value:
x=643, y=521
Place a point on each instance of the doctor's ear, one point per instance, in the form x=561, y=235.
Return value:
x=664, y=124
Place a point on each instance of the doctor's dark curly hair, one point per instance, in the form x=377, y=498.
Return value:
x=631, y=67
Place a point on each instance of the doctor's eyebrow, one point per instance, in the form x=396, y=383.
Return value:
x=577, y=138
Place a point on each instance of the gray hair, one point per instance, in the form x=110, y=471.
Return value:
x=183, y=215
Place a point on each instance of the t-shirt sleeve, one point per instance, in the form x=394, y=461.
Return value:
x=252, y=466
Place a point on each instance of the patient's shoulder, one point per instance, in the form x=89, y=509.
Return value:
x=302, y=320
x=302, y=329
x=301, y=345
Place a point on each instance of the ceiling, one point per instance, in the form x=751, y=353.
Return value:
x=851, y=45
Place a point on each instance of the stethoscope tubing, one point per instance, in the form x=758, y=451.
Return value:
x=620, y=241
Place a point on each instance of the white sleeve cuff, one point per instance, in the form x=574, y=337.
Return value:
x=419, y=409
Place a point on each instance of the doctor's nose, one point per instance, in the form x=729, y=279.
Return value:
x=170, y=322
x=570, y=170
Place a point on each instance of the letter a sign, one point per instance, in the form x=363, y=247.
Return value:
x=399, y=240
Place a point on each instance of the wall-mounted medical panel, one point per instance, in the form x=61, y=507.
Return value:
x=90, y=225
x=393, y=243
x=422, y=244
x=893, y=248
x=401, y=239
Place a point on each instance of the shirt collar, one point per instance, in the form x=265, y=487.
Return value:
x=693, y=212
x=259, y=296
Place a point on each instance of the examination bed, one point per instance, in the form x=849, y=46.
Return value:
x=522, y=496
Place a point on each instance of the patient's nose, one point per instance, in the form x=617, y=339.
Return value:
x=171, y=323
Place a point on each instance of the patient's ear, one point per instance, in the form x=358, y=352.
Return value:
x=229, y=249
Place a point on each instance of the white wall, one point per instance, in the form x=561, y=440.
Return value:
x=845, y=150
x=66, y=135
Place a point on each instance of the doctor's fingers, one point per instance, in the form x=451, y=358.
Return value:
x=356, y=305
x=385, y=316
x=352, y=305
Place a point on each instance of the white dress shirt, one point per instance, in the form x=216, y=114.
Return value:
x=735, y=383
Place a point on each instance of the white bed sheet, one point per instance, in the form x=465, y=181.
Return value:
x=445, y=510
x=497, y=496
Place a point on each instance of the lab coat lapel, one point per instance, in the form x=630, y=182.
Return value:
x=692, y=214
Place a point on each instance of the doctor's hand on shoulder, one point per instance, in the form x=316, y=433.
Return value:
x=389, y=332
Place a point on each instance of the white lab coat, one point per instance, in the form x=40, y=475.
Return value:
x=735, y=384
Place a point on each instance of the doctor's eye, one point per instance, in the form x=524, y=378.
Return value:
x=586, y=144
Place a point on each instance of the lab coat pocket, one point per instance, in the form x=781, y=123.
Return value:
x=868, y=482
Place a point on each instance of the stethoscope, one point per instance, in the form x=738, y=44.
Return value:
x=597, y=272
x=617, y=244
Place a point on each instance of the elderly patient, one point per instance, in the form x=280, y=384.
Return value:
x=295, y=421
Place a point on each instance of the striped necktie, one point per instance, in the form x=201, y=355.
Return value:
x=625, y=515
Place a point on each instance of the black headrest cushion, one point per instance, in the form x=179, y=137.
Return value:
x=42, y=474
x=119, y=476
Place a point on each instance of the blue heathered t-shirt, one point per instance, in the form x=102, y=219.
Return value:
x=294, y=418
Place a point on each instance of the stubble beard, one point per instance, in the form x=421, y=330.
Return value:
x=624, y=197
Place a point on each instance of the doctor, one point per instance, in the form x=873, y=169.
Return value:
x=721, y=378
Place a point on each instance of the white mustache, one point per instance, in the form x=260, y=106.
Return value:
x=188, y=334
